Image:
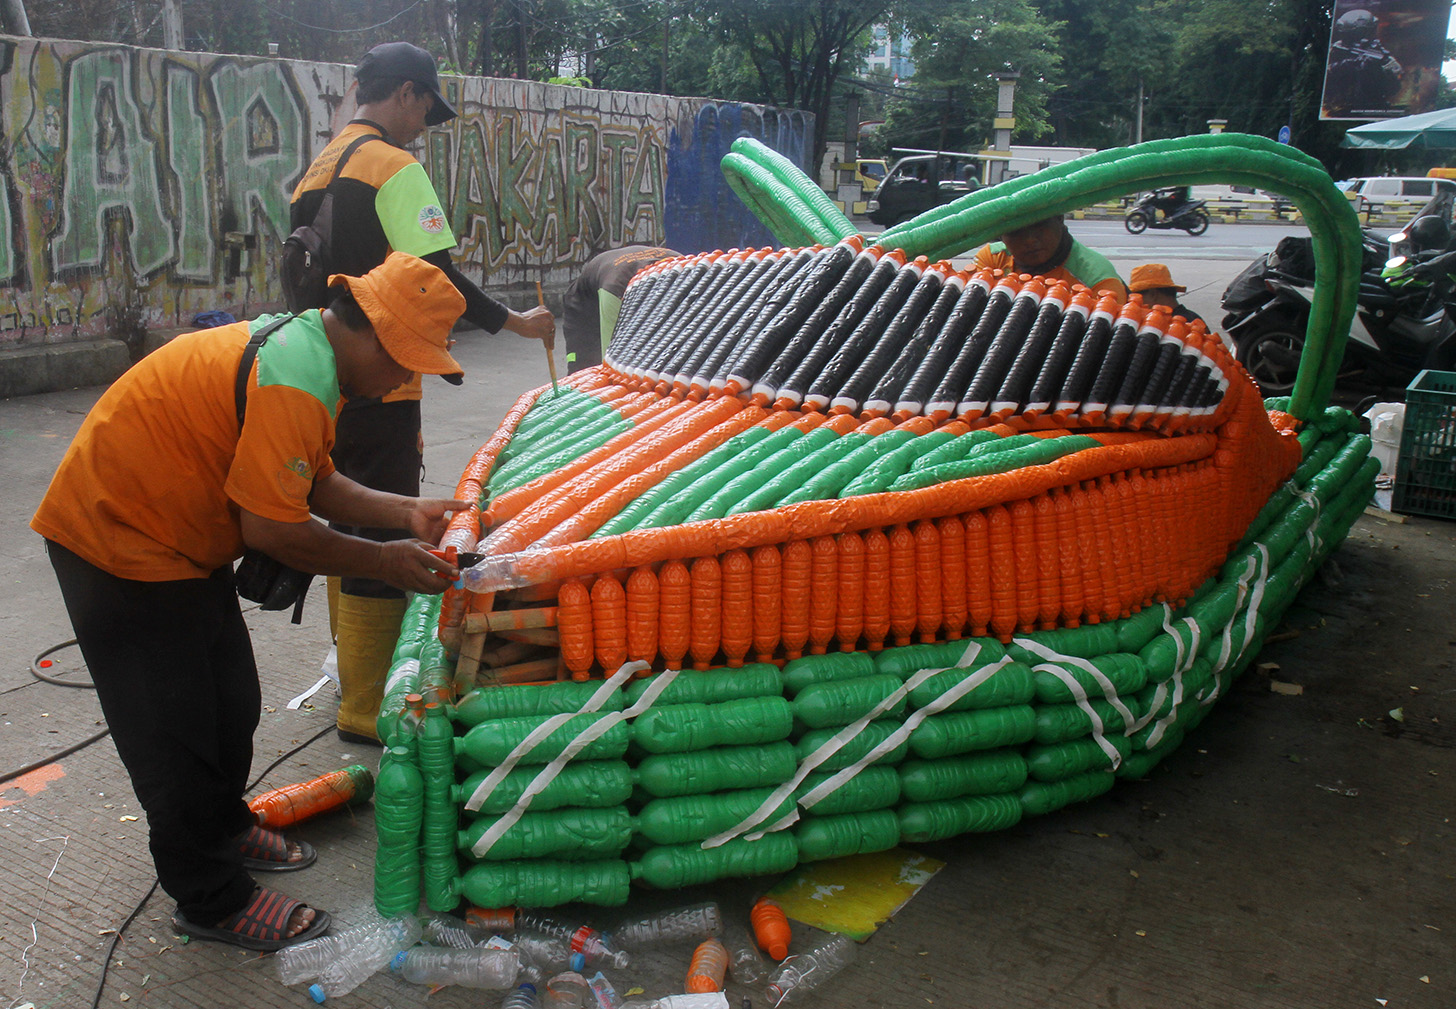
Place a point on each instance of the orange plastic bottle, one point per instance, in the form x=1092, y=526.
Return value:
x=283, y=807
x=709, y=964
x=770, y=928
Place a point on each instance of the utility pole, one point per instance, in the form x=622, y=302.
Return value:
x=1003, y=124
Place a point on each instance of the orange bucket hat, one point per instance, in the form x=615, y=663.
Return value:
x=413, y=306
x=1151, y=277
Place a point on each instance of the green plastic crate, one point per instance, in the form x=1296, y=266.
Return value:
x=1425, y=475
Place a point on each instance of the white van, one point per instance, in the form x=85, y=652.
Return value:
x=1393, y=192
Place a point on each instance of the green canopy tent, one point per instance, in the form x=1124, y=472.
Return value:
x=1436, y=130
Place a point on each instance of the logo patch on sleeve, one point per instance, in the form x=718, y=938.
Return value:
x=432, y=220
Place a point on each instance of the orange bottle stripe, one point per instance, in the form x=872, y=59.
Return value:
x=767, y=591
x=823, y=583
x=737, y=618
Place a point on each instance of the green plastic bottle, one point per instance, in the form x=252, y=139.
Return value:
x=1038, y=797
x=800, y=673
x=991, y=773
x=399, y=797
x=965, y=731
x=871, y=736
x=1126, y=672
x=546, y=883
x=588, y=783
x=488, y=703
x=821, y=837
x=1058, y=761
x=679, y=728
x=682, y=819
x=1012, y=684
x=437, y=768
x=574, y=834
x=1142, y=762
x=1058, y=723
x=907, y=660
x=713, y=686
x=874, y=787
x=491, y=742
x=668, y=774
x=931, y=821
x=840, y=702
x=669, y=867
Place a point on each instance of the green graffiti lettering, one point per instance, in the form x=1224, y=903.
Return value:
x=580, y=214
x=512, y=166
x=110, y=168
x=186, y=144
x=643, y=211
x=472, y=198
x=262, y=143
x=616, y=144
x=549, y=200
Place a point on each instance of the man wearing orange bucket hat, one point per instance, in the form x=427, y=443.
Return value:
x=161, y=490
x=1155, y=284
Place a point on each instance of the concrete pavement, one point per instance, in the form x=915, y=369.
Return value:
x=1297, y=851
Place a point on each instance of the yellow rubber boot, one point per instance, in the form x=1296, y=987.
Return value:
x=368, y=631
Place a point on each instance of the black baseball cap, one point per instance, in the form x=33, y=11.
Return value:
x=408, y=63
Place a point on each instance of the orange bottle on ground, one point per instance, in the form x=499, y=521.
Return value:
x=283, y=807
x=770, y=928
x=706, y=970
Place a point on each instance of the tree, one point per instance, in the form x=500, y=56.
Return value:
x=799, y=50
x=958, y=50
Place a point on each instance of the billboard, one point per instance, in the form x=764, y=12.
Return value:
x=1385, y=58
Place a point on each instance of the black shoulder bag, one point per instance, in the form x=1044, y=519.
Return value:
x=308, y=257
x=260, y=578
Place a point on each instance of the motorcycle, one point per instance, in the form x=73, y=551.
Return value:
x=1167, y=208
x=1403, y=322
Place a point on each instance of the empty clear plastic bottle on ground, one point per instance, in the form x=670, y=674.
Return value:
x=679, y=924
x=523, y=997
x=804, y=972
x=568, y=990
x=583, y=939
x=373, y=948
x=447, y=930
x=746, y=964
x=469, y=968
x=547, y=952
x=310, y=959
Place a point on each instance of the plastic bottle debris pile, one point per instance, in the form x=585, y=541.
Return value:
x=538, y=962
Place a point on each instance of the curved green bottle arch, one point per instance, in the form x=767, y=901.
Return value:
x=1226, y=158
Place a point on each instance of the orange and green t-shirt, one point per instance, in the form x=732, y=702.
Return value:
x=152, y=485
x=1090, y=269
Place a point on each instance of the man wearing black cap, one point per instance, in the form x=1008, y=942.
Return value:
x=383, y=201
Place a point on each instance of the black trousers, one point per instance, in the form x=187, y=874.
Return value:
x=378, y=444
x=174, y=671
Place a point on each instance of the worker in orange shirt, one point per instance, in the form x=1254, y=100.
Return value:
x=1047, y=249
x=161, y=490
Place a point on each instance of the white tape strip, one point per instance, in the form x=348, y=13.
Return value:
x=293, y=704
x=407, y=668
x=1183, y=661
x=890, y=742
x=1316, y=542
x=548, y=773
x=550, y=725
x=830, y=747
x=1109, y=691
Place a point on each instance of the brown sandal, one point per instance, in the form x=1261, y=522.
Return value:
x=262, y=925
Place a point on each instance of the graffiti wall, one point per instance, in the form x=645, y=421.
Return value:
x=143, y=186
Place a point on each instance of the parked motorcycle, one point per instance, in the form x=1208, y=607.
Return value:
x=1167, y=208
x=1403, y=322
